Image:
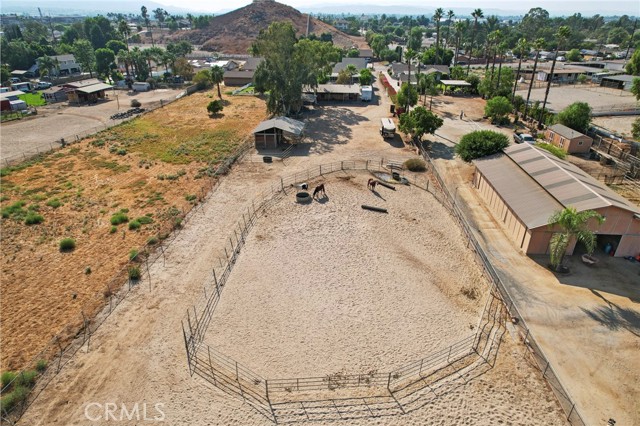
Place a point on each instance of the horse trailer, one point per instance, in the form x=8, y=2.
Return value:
x=387, y=128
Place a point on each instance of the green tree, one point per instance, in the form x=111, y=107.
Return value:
x=104, y=61
x=217, y=77
x=574, y=55
x=419, y=122
x=407, y=96
x=635, y=87
x=480, y=143
x=635, y=129
x=537, y=45
x=183, y=68
x=145, y=17
x=180, y=49
x=116, y=46
x=202, y=79
x=415, y=39
x=5, y=74
x=498, y=108
x=160, y=15
x=47, y=64
x=522, y=48
x=378, y=44
x=366, y=78
x=280, y=73
x=633, y=67
x=576, y=116
x=574, y=225
x=476, y=14
x=84, y=54
x=437, y=18
x=125, y=32
x=344, y=77
x=353, y=53
x=215, y=107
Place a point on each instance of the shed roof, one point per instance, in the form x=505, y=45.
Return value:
x=359, y=63
x=338, y=88
x=285, y=124
x=239, y=74
x=11, y=94
x=565, y=131
x=535, y=184
x=94, y=88
x=82, y=83
x=455, y=83
x=624, y=77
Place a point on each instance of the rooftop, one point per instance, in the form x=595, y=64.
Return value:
x=285, y=124
x=565, y=131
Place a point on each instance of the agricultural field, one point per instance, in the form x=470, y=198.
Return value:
x=112, y=195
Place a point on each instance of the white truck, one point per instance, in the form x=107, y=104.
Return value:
x=366, y=93
x=387, y=128
x=524, y=137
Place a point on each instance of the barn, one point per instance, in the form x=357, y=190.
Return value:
x=524, y=186
x=271, y=133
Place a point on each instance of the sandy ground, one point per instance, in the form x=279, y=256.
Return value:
x=355, y=291
x=55, y=121
x=138, y=354
x=621, y=125
x=599, y=98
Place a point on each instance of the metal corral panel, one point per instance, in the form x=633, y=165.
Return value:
x=528, y=201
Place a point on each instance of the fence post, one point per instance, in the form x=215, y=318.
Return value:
x=389, y=383
x=544, y=373
x=266, y=389
x=449, y=354
x=211, y=366
x=215, y=279
x=186, y=345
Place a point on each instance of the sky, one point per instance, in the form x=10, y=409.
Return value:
x=564, y=7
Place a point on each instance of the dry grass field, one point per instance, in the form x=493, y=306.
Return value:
x=151, y=170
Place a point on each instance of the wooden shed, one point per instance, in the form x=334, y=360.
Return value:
x=567, y=139
x=271, y=133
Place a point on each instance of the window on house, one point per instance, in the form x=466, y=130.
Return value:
x=561, y=142
x=580, y=143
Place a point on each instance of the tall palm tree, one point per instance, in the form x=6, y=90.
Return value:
x=502, y=48
x=437, y=17
x=563, y=34
x=476, y=14
x=351, y=69
x=217, y=77
x=124, y=56
x=459, y=31
x=409, y=55
x=125, y=31
x=573, y=225
x=145, y=16
x=522, y=48
x=493, y=39
x=450, y=15
x=46, y=64
x=537, y=45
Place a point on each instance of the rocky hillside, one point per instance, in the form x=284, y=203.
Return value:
x=234, y=32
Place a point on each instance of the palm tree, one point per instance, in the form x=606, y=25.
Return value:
x=493, y=39
x=351, y=69
x=450, y=15
x=125, y=57
x=147, y=22
x=459, y=30
x=409, y=55
x=437, y=17
x=217, y=77
x=476, y=14
x=502, y=48
x=46, y=63
x=564, y=32
x=573, y=225
x=522, y=48
x=125, y=31
x=537, y=45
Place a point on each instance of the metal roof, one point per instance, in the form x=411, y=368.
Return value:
x=359, y=63
x=94, y=88
x=82, y=83
x=624, y=77
x=565, y=131
x=7, y=95
x=535, y=184
x=455, y=83
x=338, y=88
x=285, y=124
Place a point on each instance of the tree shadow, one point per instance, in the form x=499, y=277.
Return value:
x=333, y=126
x=614, y=317
x=438, y=150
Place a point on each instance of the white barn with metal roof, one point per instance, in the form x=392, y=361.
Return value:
x=270, y=133
x=525, y=185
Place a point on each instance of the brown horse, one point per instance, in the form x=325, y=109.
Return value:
x=319, y=189
x=371, y=184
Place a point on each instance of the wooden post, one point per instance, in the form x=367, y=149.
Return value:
x=389, y=383
x=186, y=345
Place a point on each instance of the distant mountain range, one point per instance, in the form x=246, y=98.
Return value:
x=83, y=8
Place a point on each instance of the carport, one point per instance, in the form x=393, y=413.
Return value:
x=454, y=84
x=271, y=133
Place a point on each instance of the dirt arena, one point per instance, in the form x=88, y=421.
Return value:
x=330, y=287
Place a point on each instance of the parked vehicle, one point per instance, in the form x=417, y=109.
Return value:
x=387, y=128
x=366, y=93
x=523, y=137
x=41, y=85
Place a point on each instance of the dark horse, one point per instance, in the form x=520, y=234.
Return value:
x=319, y=189
x=371, y=184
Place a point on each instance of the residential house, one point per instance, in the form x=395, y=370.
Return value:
x=243, y=74
x=366, y=54
x=567, y=139
x=66, y=65
x=359, y=63
x=341, y=24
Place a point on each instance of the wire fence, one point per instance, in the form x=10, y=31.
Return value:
x=77, y=333
x=533, y=352
x=76, y=137
x=261, y=393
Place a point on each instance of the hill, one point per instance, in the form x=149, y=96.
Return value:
x=234, y=32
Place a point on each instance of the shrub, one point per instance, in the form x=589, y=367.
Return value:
x=498, y=109
x=416, y=165
x=54, y=202
x=133, y=254
x=121, y=151
x=119, y=218
x=113, y=229
x=190, y=197
x=15, y=397
x=152, y=240
x=67, y=244
x=558, y=152
x=134, y=273
x=26, y=378
x=144, y=220
x=87, y=270
x=215, y=107
x=480, y=143
x=41, y=365
x=135, y=103
x=6, y=378
x=33, y=219
x=134, y=225
x=14, y=210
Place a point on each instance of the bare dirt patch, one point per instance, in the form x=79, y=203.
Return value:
x=77, y=191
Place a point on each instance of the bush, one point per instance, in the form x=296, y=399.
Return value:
x=134, y=273
x=144, y=220
x=558, y=152
x=152, y=240
x=67, y=244
x=480, y=143
x=134, y=225
x=133, y=254
x=135, y=103
x=41, y=365
x=15, y=397
x=215, y=107
x=6, y=378
x=498, y=109
x=113, y=229
x=54, y=202
x=416, y=165
x=26, y=378
x=33, y=219
x=119, y=218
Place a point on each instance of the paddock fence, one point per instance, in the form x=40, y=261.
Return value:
x=533, y=352
x=77, y=333
x=265, y=395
